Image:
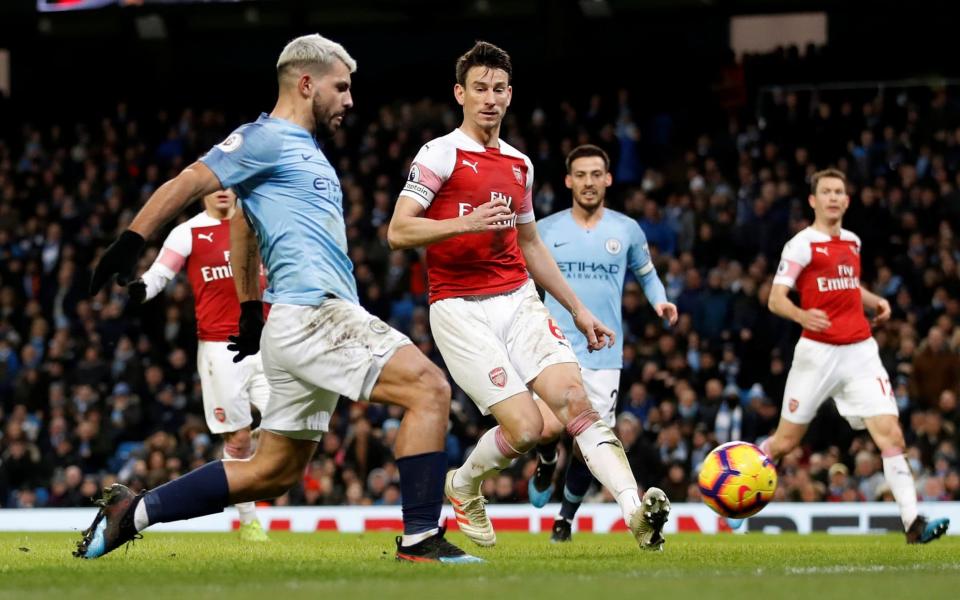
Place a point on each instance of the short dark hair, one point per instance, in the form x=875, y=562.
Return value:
x=824, y=174
x=483, y=54
x=586, y=150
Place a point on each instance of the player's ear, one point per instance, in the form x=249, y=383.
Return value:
x=305, y=85
x=509, y=94
x=458, y=93
x=568, y=181
x=608, y=179
x=812, y=201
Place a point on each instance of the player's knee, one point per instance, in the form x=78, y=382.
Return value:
x=524, y=436
x=434, y=390
x=576, y=399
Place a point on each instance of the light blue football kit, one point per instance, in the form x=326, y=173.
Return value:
x=292, y=196
x=595, y=263
x=318, y=343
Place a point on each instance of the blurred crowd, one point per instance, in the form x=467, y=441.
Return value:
x=93, y=390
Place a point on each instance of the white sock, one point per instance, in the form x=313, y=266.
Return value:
x=140, y=519
x=247, y=510
x=904, y=488
x=416, y=538
x=491, y=455
x=604, y=455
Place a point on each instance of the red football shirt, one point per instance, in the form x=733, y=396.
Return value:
x=451, y=176
x=826, y=272
x=202, y=244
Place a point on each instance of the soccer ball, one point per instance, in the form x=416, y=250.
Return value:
x=737, y=480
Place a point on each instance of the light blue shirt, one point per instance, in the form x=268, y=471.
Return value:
x=292, y=196
x=595, y=263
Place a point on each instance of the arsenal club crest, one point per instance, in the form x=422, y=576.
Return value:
x=793, y=405
x=220, y=414
x=498, y=377
x=518, y=174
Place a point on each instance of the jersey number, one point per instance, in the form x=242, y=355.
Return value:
x=885, y=388
x=555, y=329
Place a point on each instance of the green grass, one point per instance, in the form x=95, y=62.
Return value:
x=594, y=567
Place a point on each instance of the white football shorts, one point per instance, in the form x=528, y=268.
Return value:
x=312, y=355
x=495, y=345
x=851, y=374
x=230, y=388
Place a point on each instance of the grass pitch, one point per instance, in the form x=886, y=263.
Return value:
x=593, y=567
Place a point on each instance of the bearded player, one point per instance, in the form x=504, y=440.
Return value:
x=837, y=356
x=594, y=247
x=469, y=201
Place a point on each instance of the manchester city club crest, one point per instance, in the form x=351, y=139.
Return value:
x=613, y=246
x=378, y=326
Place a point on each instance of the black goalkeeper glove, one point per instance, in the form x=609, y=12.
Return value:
x=120, y=259
x=247, y=341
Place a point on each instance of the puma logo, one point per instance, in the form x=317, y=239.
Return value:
x=472, y=165
x=205, y=236
x=611, y=442
x=823, y=251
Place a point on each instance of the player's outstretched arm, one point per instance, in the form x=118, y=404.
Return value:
x=545, y=272
x=410, y=229
x=120, y=258
x=781, y=305
x=171, y=198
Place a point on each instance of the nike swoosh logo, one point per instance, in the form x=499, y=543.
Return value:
x=558, y=244
x=305, y=156
x=611, y=442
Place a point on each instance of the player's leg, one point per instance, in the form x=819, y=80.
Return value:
x=226, y=408
x=867, y=401
x=242, y=444
x=277, y=466
x=238, y=445
x=401, y=375
x=477, y=360
x=543, y=357
x=812, y=378
x=602, y=386
x=540, y=487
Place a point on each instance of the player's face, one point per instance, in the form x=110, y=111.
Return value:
x=331, y=98
x=221, y=200
x=830, y=200
x=485, y=97
x=588, y=180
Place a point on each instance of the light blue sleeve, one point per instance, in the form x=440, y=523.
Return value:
x=638, y=260
x=249, y=151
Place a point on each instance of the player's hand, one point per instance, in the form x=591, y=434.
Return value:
x=119, y=259
x=137, y=290
x=814, y=320
x=247, y=341
x=598, y=335
x=883, y=312
x=667, y=310
x=492, y=216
